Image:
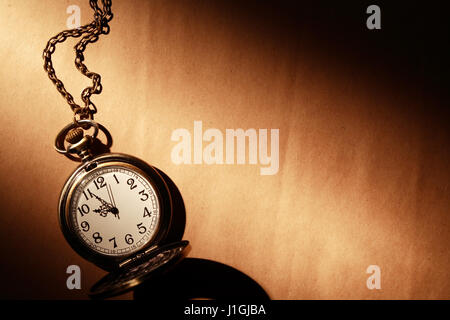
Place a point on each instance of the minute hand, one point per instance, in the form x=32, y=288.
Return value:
x=103, y=201
x=114, y=210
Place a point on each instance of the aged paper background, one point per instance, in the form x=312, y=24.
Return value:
x=364, y=160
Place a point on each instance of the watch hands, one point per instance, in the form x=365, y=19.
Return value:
x=111, y=198
x=103, y=210
x=105, y=207
x=102, y=201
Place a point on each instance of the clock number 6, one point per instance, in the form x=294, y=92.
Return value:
x=129, y=239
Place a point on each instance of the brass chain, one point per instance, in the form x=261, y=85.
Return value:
x=91, y=33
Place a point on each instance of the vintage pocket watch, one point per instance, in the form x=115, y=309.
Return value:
x=112, y=207
x=115, y=210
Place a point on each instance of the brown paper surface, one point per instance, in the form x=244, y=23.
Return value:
x=363, y=151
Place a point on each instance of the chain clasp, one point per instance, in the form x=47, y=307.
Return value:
x=78, y=141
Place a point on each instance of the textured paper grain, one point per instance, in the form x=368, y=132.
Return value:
x=363, y=176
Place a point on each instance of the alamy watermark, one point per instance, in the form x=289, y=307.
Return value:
x=374, y=281
x=214, y=147
x=374, y=20
x=74, y=20
x=74, y=280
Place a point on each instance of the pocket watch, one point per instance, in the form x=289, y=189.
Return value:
x=112, y=207
x=115, y=210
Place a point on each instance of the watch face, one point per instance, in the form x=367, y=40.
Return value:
x=114, y=210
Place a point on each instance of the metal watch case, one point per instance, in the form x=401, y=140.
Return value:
x=103, y=261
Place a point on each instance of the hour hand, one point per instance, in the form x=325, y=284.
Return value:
x=102, y=210
x=105, y=208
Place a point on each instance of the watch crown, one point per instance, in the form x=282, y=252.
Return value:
x=74, y=135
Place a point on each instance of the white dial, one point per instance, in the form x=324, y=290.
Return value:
x=115, y=210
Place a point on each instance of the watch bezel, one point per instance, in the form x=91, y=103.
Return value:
x=108, y=262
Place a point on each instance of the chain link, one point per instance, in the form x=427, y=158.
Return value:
x=90, y=33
